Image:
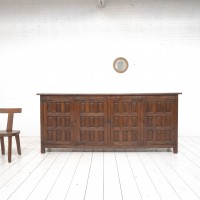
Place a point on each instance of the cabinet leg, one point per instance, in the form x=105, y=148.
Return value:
x=42, y=150
x=175, y=149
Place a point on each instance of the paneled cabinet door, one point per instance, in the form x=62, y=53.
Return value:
x=91, y=126
x=125, y=120
x=159, y=117
x=58, y=120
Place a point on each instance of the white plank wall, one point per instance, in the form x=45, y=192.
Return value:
x=85, y=175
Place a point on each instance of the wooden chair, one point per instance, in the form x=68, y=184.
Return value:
x=9, y=132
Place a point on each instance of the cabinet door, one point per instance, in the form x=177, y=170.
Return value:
x=91, y=125
x=159, y=117
x=125, y=120
x=58, y=120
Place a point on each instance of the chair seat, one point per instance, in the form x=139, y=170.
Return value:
x=5, y=133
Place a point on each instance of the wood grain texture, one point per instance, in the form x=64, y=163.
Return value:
x=109, y=121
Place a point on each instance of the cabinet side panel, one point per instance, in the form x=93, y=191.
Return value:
x=176, y=125
x=42, y=125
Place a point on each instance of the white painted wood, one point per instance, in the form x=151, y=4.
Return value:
x=112, y=188
x=95, y=184
x=41, y=191
x=191, y=150
x=143, y=180
x=180, y=186
x=189, y=161
x=61, y=174
x=128, y=183
x=165, y=190
x=188, y=164
x=179, y=167
x=12, y=170
x=193, y=143
x=78, y=185
x=65, y=177
x=19, y=178
x=30, y=184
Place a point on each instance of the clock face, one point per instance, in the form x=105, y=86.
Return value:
x=120, y=65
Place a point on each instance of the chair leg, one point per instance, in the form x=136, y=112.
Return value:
x=9, y=148
x=2, y=146
x=18, y=144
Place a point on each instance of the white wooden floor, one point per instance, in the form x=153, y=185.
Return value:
x=62, y=174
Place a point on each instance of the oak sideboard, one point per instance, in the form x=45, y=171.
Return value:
x=109, y=121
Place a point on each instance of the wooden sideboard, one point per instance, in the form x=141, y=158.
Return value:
x=109, y=121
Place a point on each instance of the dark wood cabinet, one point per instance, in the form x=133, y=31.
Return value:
x=109, y=121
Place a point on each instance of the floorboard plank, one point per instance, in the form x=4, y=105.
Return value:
x=180, y=168
x=179, y=185
x=64, y=179
x=189, y=150
x=25, y=190
x=112, y=189
x=96, y=178
x=78, y=185
x=128, y=183
x=194, y=144
x=18, y=179
x=41, y=191
x=143, y=180
x=62, y=174
x=8, y=174
x=165, y=190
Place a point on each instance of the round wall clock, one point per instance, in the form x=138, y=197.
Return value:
x=120, y=65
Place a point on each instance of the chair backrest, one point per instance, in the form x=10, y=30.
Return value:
x=10, y=112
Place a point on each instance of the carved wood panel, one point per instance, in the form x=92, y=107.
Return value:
x=92, y=121
x=125, y=121
x=159, y=120
x=59, y=121
x=109, y=121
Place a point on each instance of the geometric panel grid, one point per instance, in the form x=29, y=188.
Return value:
x=159, y=119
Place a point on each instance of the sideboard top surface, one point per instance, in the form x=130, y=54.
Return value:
x=111, y=94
